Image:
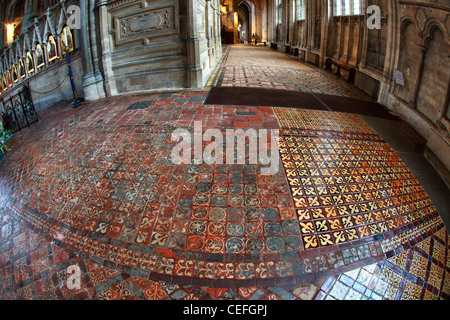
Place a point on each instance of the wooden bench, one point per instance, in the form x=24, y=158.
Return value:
x=293, y=51
x=351, y=71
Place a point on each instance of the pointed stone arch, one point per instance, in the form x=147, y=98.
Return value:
x=26, y=44
x=37, y=37
x=49, y=27
x=17, y=51
x=429, y=28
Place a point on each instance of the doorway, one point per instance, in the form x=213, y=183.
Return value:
x=244, y=23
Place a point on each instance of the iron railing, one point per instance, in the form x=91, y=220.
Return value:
x=19, y=111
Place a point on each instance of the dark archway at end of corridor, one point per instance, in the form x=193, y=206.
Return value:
x=246, y=21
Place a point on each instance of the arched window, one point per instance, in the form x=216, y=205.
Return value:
x=357, y=7
x=280, y=11
x=300, y=10
x=347, y=7
x=338, y=8
x=14, y=13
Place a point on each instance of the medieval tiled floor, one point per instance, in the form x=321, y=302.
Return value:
x=95, y=187
x=264, y=68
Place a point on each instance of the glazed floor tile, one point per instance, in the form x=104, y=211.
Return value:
x=342, y=199
x=414, y=274
x=261, y=67
x=95, y=187
x=42, y=274
x=347, y=183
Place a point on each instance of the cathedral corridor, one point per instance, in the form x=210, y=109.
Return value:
x=352, y=211
x=262, y=67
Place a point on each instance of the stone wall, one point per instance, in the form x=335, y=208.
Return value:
x=122, y=47
x=132, y=46
x=414, y=38
x=49, y=83
x=163, y=44
x=53, y=84
x=142, y=45
x=208, y=33
x=423, y=51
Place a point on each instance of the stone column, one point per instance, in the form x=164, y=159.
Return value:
x=392, y=52
x=337, y=23
x=194, y=67
x=284, y=22
x=104, y=39
x=326, y=18
x=355, y=26
x=291, y=15
x=264, y=23
x=442, y=115
x=423, y=51
x=271, y=20
x=346, y=25
x=86, y=56
x=93, y=78
x=309, y=24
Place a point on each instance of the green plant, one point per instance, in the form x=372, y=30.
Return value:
x=5, y=135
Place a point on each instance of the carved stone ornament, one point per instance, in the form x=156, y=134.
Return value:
x=345, y=21
x=146, y=22
x=337, y=21
x=354, y=21
x=421, y=18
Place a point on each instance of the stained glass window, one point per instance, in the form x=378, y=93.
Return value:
x=347, y=7
x=280, y=11
x=300, y=9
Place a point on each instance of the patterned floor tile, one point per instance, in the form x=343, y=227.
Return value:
x=261, y=67
x=412, y=275
x=95, y=188
x=345, y=189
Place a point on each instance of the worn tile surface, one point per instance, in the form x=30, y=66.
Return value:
x=261, y=67
x=95, y=187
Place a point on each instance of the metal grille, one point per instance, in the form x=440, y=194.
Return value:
x=20, y=111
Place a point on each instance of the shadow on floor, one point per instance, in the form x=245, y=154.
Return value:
x=246, y=96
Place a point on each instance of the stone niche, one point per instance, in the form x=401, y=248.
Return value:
x=368, y=84
x=142, y=45
x=149, y=23
x=424, y=60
